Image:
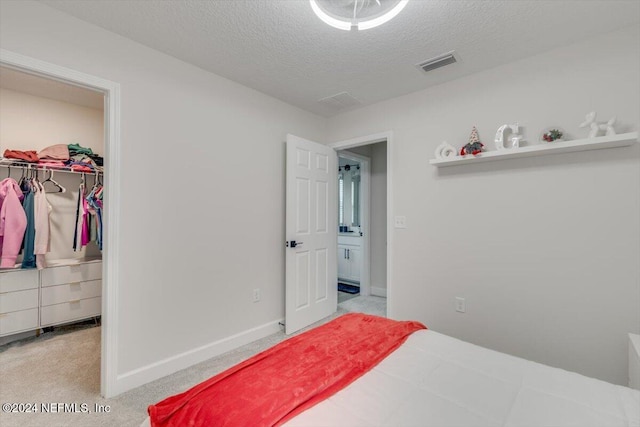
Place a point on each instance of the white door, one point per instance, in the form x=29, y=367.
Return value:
x=312, y=223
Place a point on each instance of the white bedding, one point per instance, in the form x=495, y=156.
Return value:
x=436, y=380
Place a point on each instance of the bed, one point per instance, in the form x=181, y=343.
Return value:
x=417, y=377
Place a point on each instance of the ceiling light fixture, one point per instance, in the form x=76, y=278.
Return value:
x=359, y=14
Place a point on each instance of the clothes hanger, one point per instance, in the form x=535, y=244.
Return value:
x=93, y=190
x=83, y=184
x=95, y=182
x=50, y=179
x=23, y=178
x=34, y=181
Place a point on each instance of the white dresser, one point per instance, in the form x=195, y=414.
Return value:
x=66, y=291
x=70, y=292
x=19, y=301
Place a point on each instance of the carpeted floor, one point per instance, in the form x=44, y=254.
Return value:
x=366, y=304
x=64, y=368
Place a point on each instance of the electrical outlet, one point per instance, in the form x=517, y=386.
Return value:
x=460, y=305
x=256, y=295
x=400, y=222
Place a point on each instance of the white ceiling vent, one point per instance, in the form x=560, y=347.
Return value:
x=340, y=101
x=438, y=61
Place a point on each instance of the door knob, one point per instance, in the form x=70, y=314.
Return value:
x=293, y=244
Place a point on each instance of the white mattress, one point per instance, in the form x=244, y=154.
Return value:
x=436, y=380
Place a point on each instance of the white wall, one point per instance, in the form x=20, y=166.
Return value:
x=33, y=123
x=545, y=250
x=187, y=238
x=379, y=219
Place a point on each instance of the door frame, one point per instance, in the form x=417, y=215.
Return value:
x=367, y=140
x=111, y=218
x=365, y=212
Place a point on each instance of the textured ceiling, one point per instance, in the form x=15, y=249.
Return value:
x=281, y=48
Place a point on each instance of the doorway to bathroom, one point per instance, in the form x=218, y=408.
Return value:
x=362, y=229
x=353, y=218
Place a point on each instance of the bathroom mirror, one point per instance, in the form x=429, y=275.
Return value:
x=348, y=194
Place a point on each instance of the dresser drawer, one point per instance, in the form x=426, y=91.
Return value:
x=20, y=300
x=18, y=280
x=68, y=311
x=71, y=292
x=18, y=321
x=71, y=273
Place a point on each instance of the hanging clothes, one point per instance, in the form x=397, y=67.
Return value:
x=42, y=212
x=13, y=222
x=94, y=205
x=86, y=221
x=25, y=187
x=31, y=219
x=77, y=235
x=28, y=257
x=99, y=205
x=84, y=218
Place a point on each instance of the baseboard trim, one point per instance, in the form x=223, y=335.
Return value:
x=137, y=377
x=378, y=292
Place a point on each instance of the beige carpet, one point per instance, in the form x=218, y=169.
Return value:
x=366, y=304
x=61, y=369
x=65, y=369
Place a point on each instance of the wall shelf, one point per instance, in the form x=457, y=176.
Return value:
x=600, y=142
x=13, y=163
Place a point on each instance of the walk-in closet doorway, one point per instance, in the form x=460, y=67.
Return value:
x=111, y=180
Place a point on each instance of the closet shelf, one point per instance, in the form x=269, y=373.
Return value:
x=596, y=143
x=12, y=163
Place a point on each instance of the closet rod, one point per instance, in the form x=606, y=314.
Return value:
x=34, y=166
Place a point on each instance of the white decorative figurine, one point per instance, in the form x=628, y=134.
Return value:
x=590, y=120
x=445, y=150
x=514, y=139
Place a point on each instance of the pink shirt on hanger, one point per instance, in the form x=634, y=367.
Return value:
x=13, y=222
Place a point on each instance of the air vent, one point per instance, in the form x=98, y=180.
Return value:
x=438, y=61
x=339, y=101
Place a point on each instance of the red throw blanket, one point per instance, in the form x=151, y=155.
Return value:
x=279, y=383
